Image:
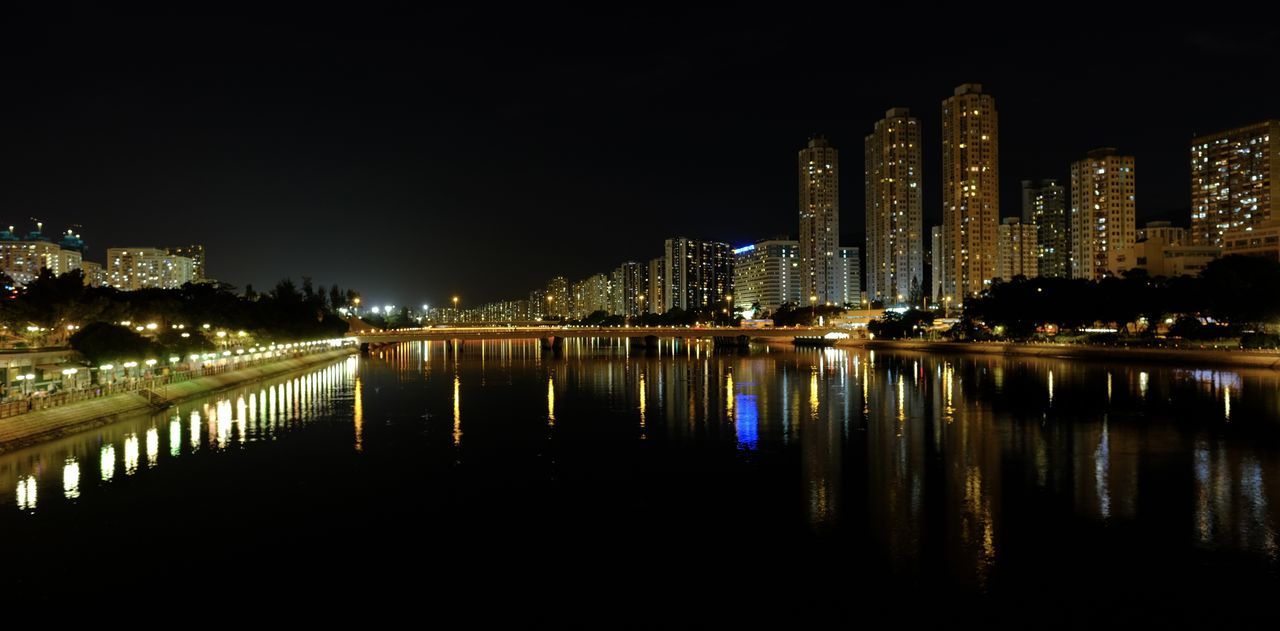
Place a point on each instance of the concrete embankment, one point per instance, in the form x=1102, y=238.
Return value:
x=48, y=424
x=1179, y=356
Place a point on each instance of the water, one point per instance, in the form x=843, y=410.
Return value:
x=678, y=488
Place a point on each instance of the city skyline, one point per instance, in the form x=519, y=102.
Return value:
x=326, y=164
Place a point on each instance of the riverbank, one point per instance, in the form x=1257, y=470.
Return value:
x=1189, y=357
x=35, y=427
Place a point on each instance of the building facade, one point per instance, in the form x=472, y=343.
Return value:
x=1103, y=214
x=656, y=297
x=627, y=287
x=1234, y=175
x=935, y=264
x=590, y=295
x=767, y=273
x=698, y=274
x=196, y=254
x=1163, y=231
x=851, y=279
x=1258, y=240
x=557, y=295
x=1044, y=203
x=130, y=269
x=820, y=220
x=894, y=211
x=1017, y=249
x=970, y=191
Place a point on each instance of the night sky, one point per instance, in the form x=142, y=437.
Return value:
x=413, y=156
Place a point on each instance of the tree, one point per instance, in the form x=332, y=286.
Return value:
x=102, y=343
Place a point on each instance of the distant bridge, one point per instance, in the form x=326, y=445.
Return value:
x=552, y=336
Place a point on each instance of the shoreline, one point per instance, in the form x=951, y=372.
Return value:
x=25, y=430
x=1184, y=356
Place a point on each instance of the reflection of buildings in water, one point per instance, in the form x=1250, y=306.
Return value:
x=1106, y=459
x=1234, y=492
x=897, y=465
x=821, y=450
x=970, y=452
x=357, y=412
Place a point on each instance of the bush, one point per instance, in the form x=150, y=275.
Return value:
x=1259, y=340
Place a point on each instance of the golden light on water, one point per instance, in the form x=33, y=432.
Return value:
x=551, y=401
x=457, y=411
x=357, y=414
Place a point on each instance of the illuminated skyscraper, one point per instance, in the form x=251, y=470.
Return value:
x=970, y=191
x=1103, y=214
x=1234, y=175
x=1017, y=253
x=697, y=274
x=1044, y=204
x=820, y=221
x=895, y=257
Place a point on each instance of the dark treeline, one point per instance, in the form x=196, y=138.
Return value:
x=44, y=310
x=1232, y=294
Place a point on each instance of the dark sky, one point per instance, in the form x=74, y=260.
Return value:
x=417, y=155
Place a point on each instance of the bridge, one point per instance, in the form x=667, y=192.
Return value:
x=553, y=336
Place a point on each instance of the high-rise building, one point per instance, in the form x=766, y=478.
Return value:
x=1103, y=214
x=196, y=254
x=895, y=257
x=627, y=288
x=1234, y=175
x=557, y=294
x=656, y=297
x=820, y=220
x=850, y=270
x=935, y=266
x=970, y=191
x=1044, y=203
x=767, y=273
x=698, y=274
x=129, y=269
x=590, y=295
x=1017, y=251
x=537, y=304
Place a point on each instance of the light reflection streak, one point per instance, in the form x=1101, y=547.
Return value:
x=131, y=454
x=107, y=462
x=71, y=478
x=175, y=436
x=357, y=414
x=643, y=405
x=26, y=493
x=551, y=401
x=457, y=410
x=153, y=447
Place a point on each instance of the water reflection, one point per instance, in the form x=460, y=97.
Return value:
x=926, y=460
x=137, y=446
